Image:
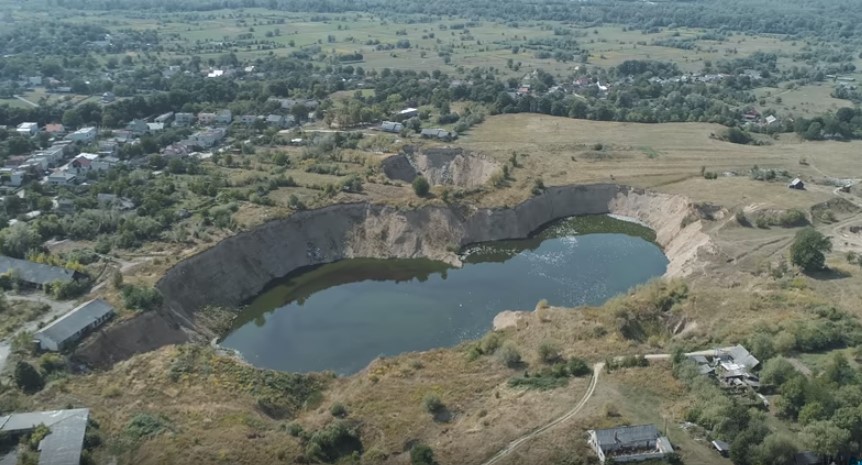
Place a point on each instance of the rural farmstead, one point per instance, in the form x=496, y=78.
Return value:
x=629, y=444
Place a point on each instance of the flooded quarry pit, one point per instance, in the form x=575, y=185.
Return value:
x=340, y=316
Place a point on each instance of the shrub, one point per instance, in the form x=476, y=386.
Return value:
x=509, y=354
x=432, y=403
x=421, y=454
x=421, y=186
x=792, y=218
x=333, y=441
x=294, y=429
x=144, y=425
x=710, y=175
x=27, y=378
x=578, y=367
x=549, y=352
x=338, y=410
x=141, y=298
x=490, y=343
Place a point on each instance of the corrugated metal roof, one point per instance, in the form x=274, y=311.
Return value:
x=64, y=444
x=626, y=435
x=67, y=326
x=37, y=273
x=741, y=356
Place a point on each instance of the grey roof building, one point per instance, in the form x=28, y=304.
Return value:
x=72, y=326
x=63, y=446
x=629, y=443
x=391, y=126
x=36, y=273
x=741, y=356
x=441, y=134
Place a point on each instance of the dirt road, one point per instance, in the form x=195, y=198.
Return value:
x=597, y=369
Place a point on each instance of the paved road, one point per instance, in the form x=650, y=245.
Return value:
x=597, y=369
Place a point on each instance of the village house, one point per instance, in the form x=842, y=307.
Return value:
x=61, y=178
x=55, y=129
x=155, y=127
x=12, y=176
x=206, y=119
x=108, y=97
x=71, y=327
x=138, y=127
x=54, y=154
x=84, y=135
x=108, y=148
x=275, y=121
x=629, y=444
x=184, y=119
x=64, y=443
x=391, y=126
x=224, y=117
x=206, y=139
x=164, y=118
x=27, y=129
x=247, y=119
x=37, y=274
x=440, y=134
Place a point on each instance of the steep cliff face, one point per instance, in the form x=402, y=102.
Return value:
x=441, y=166
x=238, y=268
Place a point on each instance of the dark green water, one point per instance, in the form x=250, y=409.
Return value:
x=342, y=315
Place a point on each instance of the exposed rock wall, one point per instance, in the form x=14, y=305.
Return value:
x=239, y=267
x=441, y=166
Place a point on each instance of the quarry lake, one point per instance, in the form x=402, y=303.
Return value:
x=340, y=316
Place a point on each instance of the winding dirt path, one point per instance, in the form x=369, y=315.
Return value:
x=597, y=369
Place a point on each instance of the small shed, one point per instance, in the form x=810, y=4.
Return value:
x=796, y=184
x=721, y=447
x=72, y=326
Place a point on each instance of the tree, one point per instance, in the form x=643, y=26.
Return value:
x=421, y=186
x=19, y=239
x=432, y=403
x=509, y=354
x=421, y=454
x=27, y=378
x=777, y=449
x=777, y=371
x=549, y=352
x=825, y=437
x=807, y=251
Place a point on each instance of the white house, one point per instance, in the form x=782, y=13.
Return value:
x=61, y=178
x=84, y=135
x=28, y=129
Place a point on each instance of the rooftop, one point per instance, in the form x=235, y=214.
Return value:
x=33, y=272
x=623, y=435
x=64, y=444
x=67, y=326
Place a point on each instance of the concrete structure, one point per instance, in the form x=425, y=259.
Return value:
x=629, y=444
x=12, y=177
x=84, y=135
x=155, y=127
x=138, y=127
x=224, y=117
x=65, y=442
x=61, y=178
x=36, y=274
x=71, y=327
x=28, y=129
x=206, y=118
x=206, y=139
x=184, y=119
